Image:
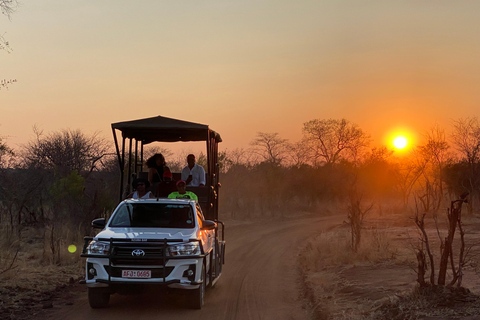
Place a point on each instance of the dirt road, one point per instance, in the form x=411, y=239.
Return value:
x=260, y=280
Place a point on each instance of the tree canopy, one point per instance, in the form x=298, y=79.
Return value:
x=66, y=151
x=332, y=140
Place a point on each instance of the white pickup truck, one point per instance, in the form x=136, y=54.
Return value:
x=165, y=242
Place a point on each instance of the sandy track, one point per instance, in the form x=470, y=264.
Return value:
x=260, y=280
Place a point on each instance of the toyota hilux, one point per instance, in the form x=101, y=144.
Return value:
x=159, y=242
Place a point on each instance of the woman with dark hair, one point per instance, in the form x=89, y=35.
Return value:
x=140, y=186
x=156, y=165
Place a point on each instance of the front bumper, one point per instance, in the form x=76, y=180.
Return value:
x=180, y=272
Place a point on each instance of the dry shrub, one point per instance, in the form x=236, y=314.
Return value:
x=30, y=255
x=9, y=245
x=8, y=260
x=27, y=280
x=326, y=252
x=333, y=248
x=429, y=302
x=56, y=240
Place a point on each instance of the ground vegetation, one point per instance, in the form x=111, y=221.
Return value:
x=60, y=181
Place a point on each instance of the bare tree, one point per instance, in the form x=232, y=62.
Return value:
x=420, y=252
x=331, y=140
x=66, y=151
x=7, y=7
x=356, y=215
x=229, y=159
x=5, y=154
x=466, y=137
x=270, y=147
x=297, y=154
x=408, y=171
x=435, y=155
x=454, y=215
x=447, y=260
x=381, y=154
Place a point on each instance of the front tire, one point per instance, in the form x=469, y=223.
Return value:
x=98, y=297
x=198, y=295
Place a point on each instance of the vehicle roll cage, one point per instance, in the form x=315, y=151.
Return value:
x=161, y=129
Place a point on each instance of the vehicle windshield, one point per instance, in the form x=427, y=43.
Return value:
x=153, y=215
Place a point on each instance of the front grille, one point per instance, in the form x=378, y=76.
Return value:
x=156, y=272
x=152, y=255
x=127, y=251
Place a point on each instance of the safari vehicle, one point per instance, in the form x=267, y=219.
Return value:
x=174, y=243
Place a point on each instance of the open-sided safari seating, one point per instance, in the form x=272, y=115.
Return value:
x=136, y=134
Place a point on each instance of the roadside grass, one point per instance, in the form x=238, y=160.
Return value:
x=333, y=248
x=430, y=302
x=29, y=275
x=324, y=255
x=387, y=243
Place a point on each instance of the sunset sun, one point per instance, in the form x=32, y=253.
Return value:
x=400, y=142
x=400, y=139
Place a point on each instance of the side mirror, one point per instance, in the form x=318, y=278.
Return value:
x=209, y=225
x=98, y=223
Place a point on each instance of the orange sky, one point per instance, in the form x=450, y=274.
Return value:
x=239, y=66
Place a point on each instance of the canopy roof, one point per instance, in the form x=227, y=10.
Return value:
x=164, y=129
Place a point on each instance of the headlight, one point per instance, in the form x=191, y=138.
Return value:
x=98, y=247
x=184, y=249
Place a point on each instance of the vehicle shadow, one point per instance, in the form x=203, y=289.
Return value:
x=151, y=300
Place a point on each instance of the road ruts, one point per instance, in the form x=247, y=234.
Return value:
x=260, y=280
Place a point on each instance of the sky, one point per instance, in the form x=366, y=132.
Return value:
x=242, y=66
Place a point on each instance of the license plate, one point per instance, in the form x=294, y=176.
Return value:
x=137, y=274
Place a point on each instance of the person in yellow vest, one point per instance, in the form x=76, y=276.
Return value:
x=182, y=192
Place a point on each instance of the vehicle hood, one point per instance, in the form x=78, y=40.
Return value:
x=148, y=233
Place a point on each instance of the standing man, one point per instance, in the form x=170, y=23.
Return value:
x=193, y=174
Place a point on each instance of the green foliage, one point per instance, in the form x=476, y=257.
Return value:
x=71, y=186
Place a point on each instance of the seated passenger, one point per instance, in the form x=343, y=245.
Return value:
x=156, y=165
x=182, y=192
x=193, y=174
x=166, y=186
x=140, y=186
